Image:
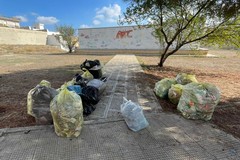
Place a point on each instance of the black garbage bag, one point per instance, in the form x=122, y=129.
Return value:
x=96, y=71
x=38, y=103
x=80, y=81
x=88, y=108
x=89, y=64
x=91, y=93
x=90, y=97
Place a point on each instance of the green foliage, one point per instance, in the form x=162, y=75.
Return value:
x=67, y=34
x=227, y=36
x=181, y=22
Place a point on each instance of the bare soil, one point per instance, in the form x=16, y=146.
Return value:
x=21, y=72
x=222, y=72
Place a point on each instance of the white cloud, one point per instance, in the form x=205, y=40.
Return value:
x=47, y=20
x=100, y=16
x=96, y=22
x=22, y=18
x=84, y=26
x=108, y=14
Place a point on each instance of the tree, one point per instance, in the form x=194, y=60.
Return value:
x=180, y=22
x=67, y=35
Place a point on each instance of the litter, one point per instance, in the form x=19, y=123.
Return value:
x=91, y=93
x=162, y=87
x=198, y=100
x=94, y=67
x=133, y=115
x=90, y=97
x=69, y=83
x=175, y=92
x=76, y=88
x=96, y=71
x=66, y=106
x=38, y=102
x=183, y=78
x=100, y=84
x=89, y=64
x=87, y=75
x=67, y=112
x=80, y=81
x=88, y=107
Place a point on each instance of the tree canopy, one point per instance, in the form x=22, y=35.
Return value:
x=67, y=34
x=180, y=22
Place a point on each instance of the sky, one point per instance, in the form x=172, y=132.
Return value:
x=77, y=13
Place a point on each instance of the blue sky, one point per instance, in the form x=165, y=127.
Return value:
x=78, y=13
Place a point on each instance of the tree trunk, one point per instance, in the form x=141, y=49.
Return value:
x=164, y=56
x=162, y=60
x=70, y=49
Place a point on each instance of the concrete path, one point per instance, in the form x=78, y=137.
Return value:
x=106, y=136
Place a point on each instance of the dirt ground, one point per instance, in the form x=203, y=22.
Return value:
x=222, y=72
x=21, y=72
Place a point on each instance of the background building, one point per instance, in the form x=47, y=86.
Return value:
x=9, y=22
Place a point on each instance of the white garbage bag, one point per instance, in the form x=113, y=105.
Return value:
x=133, y=115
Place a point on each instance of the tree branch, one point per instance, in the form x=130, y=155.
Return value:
x=189, y=21
x=204, y=36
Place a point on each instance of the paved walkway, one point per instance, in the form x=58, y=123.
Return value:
x=106, y=136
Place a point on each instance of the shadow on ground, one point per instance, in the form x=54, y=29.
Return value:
x=226, y=115
x=15, y=87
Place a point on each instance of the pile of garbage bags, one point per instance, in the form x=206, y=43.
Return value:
x=66, y=106
x=193, y=99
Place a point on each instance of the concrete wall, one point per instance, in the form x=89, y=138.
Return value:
x=52, y=41
x=22, y=36
x=130, y=37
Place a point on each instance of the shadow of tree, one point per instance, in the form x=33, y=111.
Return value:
x=226, y=114
x=15, y=87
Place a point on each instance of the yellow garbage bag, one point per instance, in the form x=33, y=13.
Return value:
x=161, y=87
x=66, y=84
x=45, y=83
x=175, y=92
x=67, y=112
x=183, y=78
x=87, y=75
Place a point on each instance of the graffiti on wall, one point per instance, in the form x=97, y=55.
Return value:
x=117, y=38
x=123, y=34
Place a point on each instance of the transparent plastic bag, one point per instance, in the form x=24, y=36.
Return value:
x=183, y=78
x=198, y=100
x=67, y=112
x=175, y=92
x=133, y=115
x=161, y=87
x=38, y=102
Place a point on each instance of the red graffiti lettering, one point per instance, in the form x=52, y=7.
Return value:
x=123, y=34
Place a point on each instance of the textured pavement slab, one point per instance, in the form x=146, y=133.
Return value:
x=106, y=136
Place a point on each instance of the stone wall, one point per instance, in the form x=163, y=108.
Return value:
x=14, y=36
